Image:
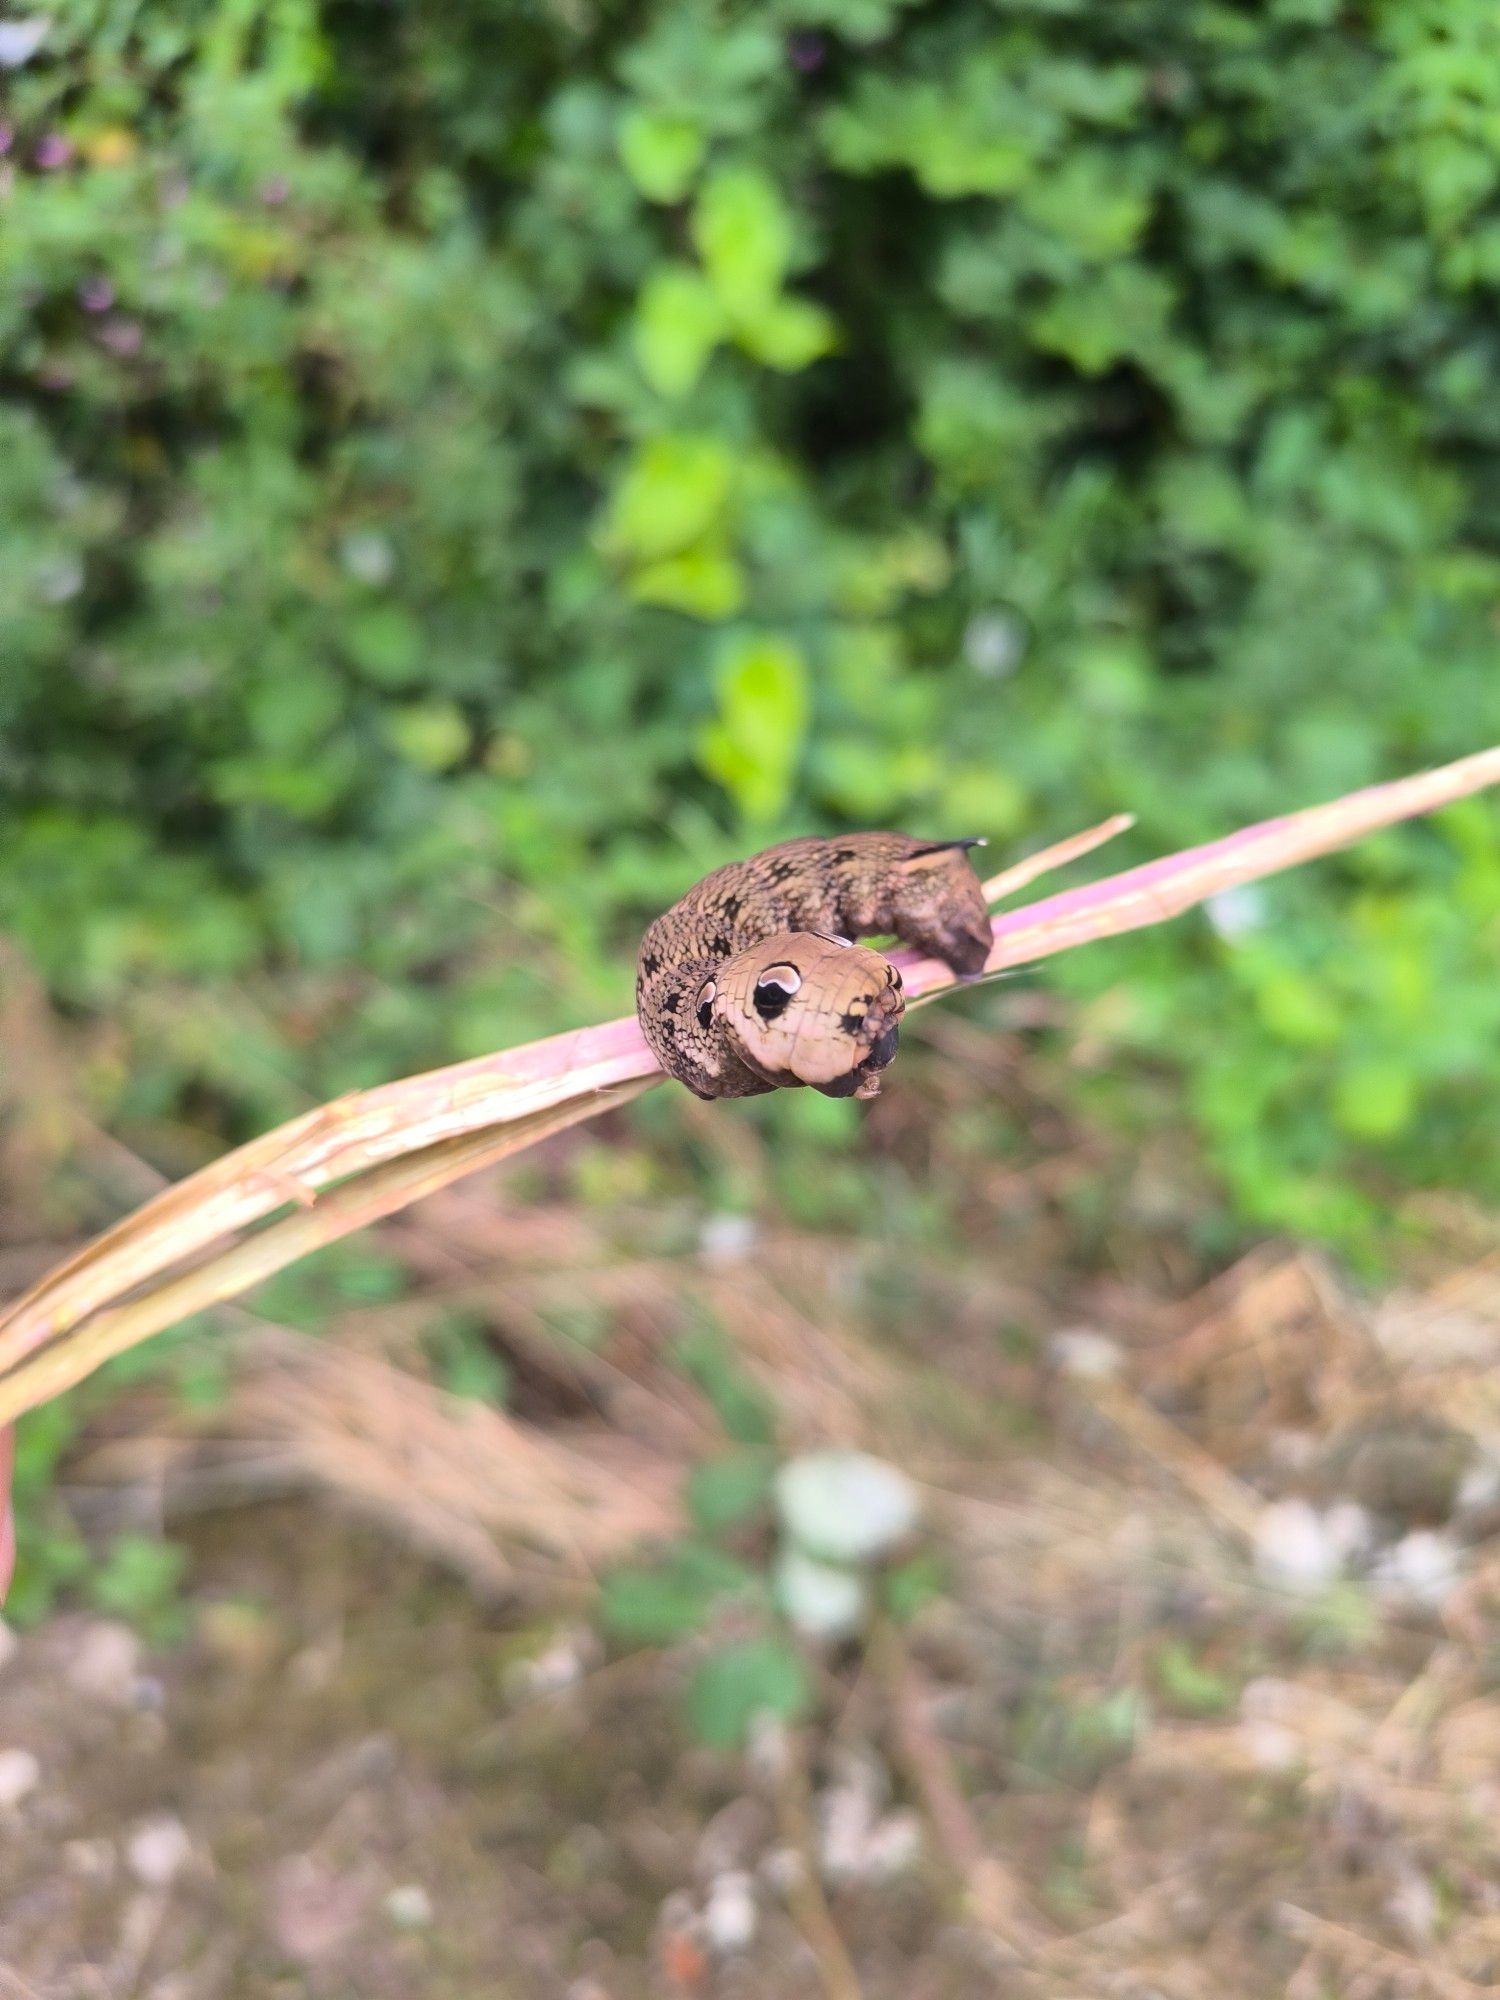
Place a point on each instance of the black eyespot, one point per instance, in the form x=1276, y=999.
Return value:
x=705, y=1004
x=774, y=990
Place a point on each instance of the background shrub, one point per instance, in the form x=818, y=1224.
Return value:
x=465, y=471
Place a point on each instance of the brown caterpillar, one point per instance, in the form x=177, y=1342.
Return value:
x=753, y=982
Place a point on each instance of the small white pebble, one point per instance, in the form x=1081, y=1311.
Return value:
x=678, y=1914
x=559, y=1666
x=1413, y=1905
x=729, y=1915
x=106, y=1663
x=1351, y=1531
x=894, y=1846
x=1265, y=1706
x=92, y=1860
x=1091, y=1356
x=768, y=1750
x=847, y=1811
x=1271, y=1746
x=1422, y=1568
x=728, y=1239
x=1294, y=1547
x=20, y=1774
x=736, y=1832
x=1478, y=1490
x=158, y=1851
x=409, y=1907
x=1292, y=1450
x=784, y=1869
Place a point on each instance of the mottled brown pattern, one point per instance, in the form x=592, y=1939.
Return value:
x=752, y=982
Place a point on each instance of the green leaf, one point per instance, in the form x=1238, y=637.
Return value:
x=764, y=707
x=661, y=153
x=289, y=714
x=678, y=323
x=1298, y=1008
x=467, y=1363
x=140, y=1579
x=912, y=1585
x=1375, y=1099
x=1105, y=316
x=1090, y=204
x=673, y=491
x=740, y=1403
x=657, y=1605
x=723, y=1492
x=705, y=582
x=384, y=642
x=1190, y=1685
x=788, y=333
x=433, y=734
x=744, y=237
x=758, y=1677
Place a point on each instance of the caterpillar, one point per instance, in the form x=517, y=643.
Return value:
x=754, y=981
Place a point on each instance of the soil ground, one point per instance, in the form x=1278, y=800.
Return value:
x=1206, y=1707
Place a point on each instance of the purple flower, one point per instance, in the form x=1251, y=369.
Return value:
x=807, y=52
x=96, y=295
x=121, y=336
x=53, y=151
x=7, y=138
x=275, y=191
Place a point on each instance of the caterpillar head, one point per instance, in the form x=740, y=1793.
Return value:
x=804, y=1008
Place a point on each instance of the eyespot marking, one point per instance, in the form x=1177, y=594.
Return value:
x=774, y=991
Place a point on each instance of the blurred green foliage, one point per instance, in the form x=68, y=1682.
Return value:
x=465, y=471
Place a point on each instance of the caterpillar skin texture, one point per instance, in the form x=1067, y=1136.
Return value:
x=752, y=982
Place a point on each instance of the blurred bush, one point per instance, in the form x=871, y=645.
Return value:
x=464, y=471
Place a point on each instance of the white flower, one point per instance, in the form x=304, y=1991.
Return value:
x=845, y=1505
x=158, y=1850
x=20, y=40
x=368, y=557
x=1295, y=1547
x=823, y=1602
x=1080, y=1351
x=1422, y=1568
x=994, y=643
x=1238, y=911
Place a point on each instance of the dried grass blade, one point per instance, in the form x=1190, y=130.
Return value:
x=351, y=1206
